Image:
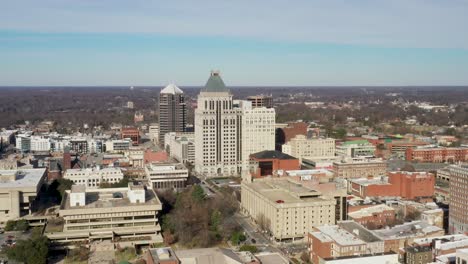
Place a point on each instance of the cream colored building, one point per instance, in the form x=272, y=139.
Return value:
x=285, y=209
x=93, y=177
x=119, y=214
x=135, y=156
x=216, y=134
x=312, y=148
x=227, y=132
x=18, y=191
x=180, y=146
x=153, y=133
x=166, y=175
x=359, y=168
x=257, y=127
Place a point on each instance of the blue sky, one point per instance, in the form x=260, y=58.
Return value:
x=321, y=42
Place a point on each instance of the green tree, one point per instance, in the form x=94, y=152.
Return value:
x=251, y=248
x=22, y=225
x=237, y=237
x=122, y=183
x=63, y=185
x=215, y=220
x=10, y=225
x=198, y=193
x=31, y=251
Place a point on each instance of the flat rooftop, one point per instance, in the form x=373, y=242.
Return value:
x=359, y=161
x=373, y=181
x=362, y=233
x=285, y=191
x=25, y=178
x=165, y=166
x=337, y=234
x=369, y=211
x=109, y=198
x=407, y=230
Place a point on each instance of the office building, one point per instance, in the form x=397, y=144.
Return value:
x=166, y=175
x=418, y=255
x=417, y=186
x=94, y=177
x=18, y=191
x=311, y=148
x=437, y=154
x=153, y=133
x=79, y=145
x=461, y=256
x=346, y=239
x=172, y=111
x=286, y=209
x=374, y=217
x=458, y=213
x=216, y=130
x=227, y=132
x=357, y=168
x=285, y=132
x=257, y=130
x=131, y=133
x=273, y=163
x=180, y=146
x=118, y=145
x=405, y=234
x=355, y=149
x=28, y=143
x=122, y=215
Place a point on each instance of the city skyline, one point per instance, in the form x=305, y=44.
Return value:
x=308, y=43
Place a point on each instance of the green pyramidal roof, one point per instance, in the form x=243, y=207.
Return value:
x=215, y=84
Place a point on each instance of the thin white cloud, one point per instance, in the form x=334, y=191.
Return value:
x=397, y=23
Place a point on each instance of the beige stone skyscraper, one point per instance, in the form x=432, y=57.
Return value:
x=216, y=124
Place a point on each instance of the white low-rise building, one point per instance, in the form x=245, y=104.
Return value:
x=18, y=191
x=121, y=215
x=180, y=146
x=94, y=177
x=355, y=149
x=118, y=145
x=166, y=175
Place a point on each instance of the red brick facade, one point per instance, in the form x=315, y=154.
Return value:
x=450, y=155
x=132, y=133
x=375, y=219
x=407, y=185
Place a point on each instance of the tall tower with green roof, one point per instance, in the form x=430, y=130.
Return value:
x=216, y=130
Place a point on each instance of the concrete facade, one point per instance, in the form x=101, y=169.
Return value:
x=117, y=214
x=180, y=146
x=285, y=209
x=166, y=175
x=312, y=148
x=94, y=177
x=18, y=192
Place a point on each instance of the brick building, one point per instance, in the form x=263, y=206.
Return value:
x=347, y=239
x=374, y=217
x=407, y=185
x=286, y=133
x=358, y=168
x=132, y=133
x=451, y=155
x=270, y=161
